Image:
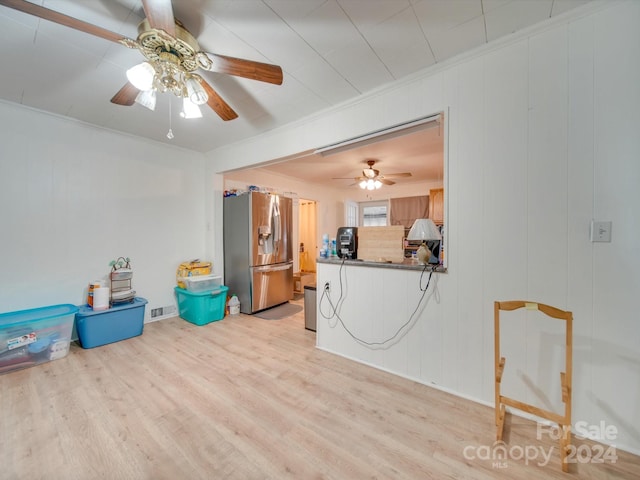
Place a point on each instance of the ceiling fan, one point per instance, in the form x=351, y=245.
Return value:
x=172, y=55
x=371, y=178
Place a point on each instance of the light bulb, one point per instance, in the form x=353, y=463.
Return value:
x=147, y=98
x=189, y=109
x=141, y=76
x=195, y=91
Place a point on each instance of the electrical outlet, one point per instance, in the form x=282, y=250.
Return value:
x=600, y=231
x=327, y=287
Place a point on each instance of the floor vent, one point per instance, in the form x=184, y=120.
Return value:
x=167, y=311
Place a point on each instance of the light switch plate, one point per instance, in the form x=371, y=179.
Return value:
x=600, y=231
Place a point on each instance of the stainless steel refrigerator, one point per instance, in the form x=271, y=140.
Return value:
x=258, y=253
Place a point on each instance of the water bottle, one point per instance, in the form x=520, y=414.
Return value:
x=234, y=305
x=326, y=249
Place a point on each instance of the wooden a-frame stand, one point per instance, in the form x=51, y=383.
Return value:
x=501, y=402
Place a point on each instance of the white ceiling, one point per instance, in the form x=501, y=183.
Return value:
x=330, y=51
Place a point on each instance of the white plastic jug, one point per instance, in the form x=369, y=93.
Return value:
x=234, y=305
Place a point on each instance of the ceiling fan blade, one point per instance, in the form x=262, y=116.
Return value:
x=66, y=20
x=403, y=174
x=240, y=67
x=385, y=181
x=160, y=15
x=217, y=104
x=126, y=95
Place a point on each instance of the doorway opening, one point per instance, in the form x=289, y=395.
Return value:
x=307, y=248
x=307, y=234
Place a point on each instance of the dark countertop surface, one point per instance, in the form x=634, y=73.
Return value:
x=408, y=264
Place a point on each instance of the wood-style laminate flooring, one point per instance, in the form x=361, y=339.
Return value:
x=247, y=398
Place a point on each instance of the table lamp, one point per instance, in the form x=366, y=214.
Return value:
x=425, y=231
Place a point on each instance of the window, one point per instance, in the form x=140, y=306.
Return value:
x=374, y=214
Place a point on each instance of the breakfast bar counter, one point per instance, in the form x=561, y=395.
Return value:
x=382, y=314
x=407, y=264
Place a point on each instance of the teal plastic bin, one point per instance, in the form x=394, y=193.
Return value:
x=38, y=335
x=201, y=308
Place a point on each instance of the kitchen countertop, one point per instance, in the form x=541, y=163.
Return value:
x=407, y=264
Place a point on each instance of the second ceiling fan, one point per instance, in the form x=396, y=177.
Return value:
x=371, y=178
x=172, y=55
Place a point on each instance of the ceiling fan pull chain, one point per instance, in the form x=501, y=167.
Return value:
x=170, y=132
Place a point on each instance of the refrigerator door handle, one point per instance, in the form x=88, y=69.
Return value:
x=271, y=268
x=277, y=232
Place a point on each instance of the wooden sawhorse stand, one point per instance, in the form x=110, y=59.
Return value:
x=563, y=421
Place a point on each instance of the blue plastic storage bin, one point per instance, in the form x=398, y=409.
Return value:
x=38, y=335
x=100, y=327
x=201, y=308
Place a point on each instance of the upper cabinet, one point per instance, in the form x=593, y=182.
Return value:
x=436, y=205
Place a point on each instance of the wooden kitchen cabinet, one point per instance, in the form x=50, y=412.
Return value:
x=436, y=205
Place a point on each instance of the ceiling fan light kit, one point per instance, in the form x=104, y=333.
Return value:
x=167, y=77
x=370, y=184
x=372, y=180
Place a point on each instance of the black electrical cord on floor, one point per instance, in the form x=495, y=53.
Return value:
x=384, y=343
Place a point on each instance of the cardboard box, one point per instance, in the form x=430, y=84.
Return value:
x=381, y=244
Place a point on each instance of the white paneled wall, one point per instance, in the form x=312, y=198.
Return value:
x=543, y=137
x=616, y=172
x=547, y=197
x=580, y=164
x=74, y=197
